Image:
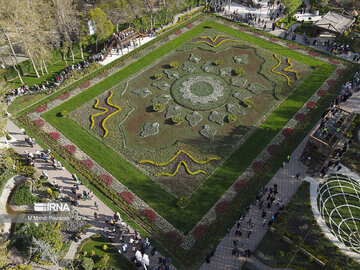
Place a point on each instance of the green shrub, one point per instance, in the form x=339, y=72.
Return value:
x=55, y=194
x=239, y=71
x=174, y=64
x=105, y=247
x=105, y=259
x=248, y=102
x=158, y=76
x=183, y=202
x=232, y=118
x=8, y=137
x=23, y=195
x=64, y=113
x=92, y=253
x=49, y=191
x=177, y=119
x=87, y=263
x=85, y=253
x=218, y=62
x=158, y=107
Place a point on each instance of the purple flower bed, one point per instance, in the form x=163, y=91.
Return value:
x=299, y=117
x=257, y=166
x=310, y=104
x=320, y=93
x=64, y=96
x=174, y=237
x=41, y=108
x=200, y=230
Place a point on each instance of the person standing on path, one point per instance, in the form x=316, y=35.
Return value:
x=297, y=176
x=96, y=205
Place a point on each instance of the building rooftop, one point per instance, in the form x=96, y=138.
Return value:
x=335, y=22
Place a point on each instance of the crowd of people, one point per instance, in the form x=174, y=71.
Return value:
x=55, y=82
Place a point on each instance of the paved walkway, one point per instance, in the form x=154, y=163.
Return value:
x=64, y=179
x=287, y=187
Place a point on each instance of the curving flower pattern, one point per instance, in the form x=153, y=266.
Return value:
x=218, y=89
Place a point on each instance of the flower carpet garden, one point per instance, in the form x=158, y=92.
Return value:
x=182, y=132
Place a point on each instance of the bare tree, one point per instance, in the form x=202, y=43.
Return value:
x=67, y=21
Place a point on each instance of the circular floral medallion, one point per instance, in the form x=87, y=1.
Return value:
x=200, y=92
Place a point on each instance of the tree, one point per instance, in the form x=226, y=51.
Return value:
x=50, y=233
x=67, y=21
x=3, y=252
x=148, y=9
x=84, y=37
x=87, y=263
x=168, y=4
x=103, y=26
x=117, y=11
x=104, y=259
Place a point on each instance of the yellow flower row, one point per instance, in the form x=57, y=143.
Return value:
x=105, y=110
x=180, y=20
x=177, y=169
x=289, y=70
x=112, y=105
x=175, y=156
x=282, y=74
x=212, y=45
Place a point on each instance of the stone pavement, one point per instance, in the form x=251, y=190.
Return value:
x=287, y=186
x=64, y=179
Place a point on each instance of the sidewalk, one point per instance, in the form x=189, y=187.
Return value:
x=287, y=186
x=86, y=208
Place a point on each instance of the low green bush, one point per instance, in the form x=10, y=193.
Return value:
x=158, y=107
x=248, y=102
x=177, y=119
x=238, y=71
x=64, y=113
x=174, y=64
x=23, y=195
x=158, y=76
x=218, y=62
x=231, y=118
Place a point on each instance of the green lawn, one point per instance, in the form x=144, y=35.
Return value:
x=208, y=194
x=116, y=259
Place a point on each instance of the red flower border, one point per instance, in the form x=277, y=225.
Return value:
x=70, y=148
x=330, y=81
x=149, y=214
x=190, y=25
x=178, y=32
x=88, y=163
x=320, y=93
x=240, y=185
x=273, y=40
x=287, y=131
x=55, y=135
x=221, y=207
x=41, y=108
x=174, y=237
x=299, y=117
x=107, y=179
x=335, y=62
x=257, y=166
x=291, y=46
x=272, y=149
x=85, y=85
x=200, y=230
x=64, y=96
x=313, y=53
x=310, y=104
x=39, y=122
x=127, y=196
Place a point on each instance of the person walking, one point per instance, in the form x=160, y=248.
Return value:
x=95, y=215
x=96, y=205
x=297, y=176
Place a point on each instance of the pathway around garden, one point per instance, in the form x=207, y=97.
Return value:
x=287, y=187
x=64, y=179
